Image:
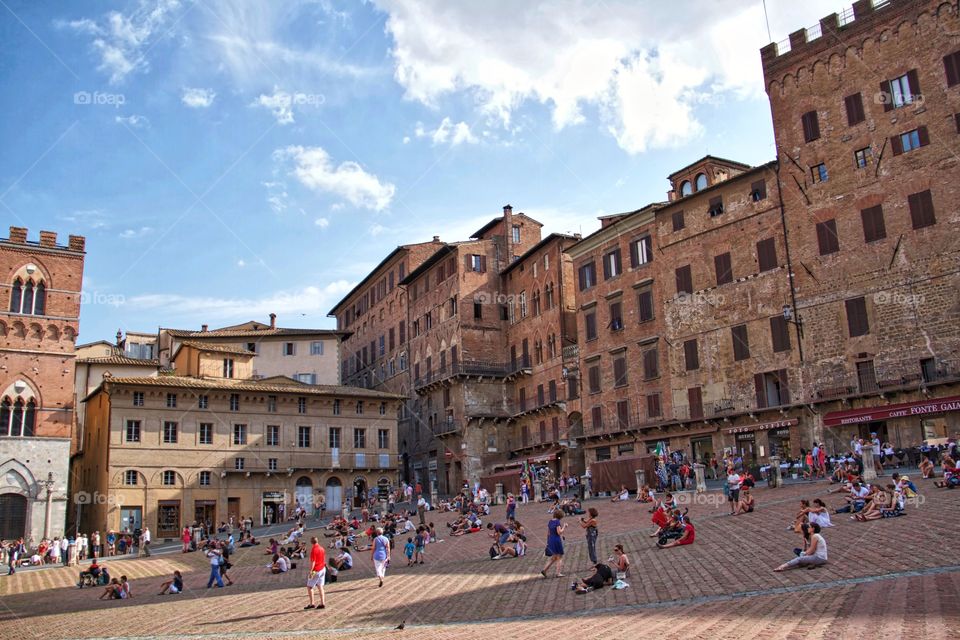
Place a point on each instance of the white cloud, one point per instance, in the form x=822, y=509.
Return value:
x=640, y=67
x=122, y=40
x=133, y=234
x=89, y=218
x=197, y=98
x=308, y=300
x=313, y=168
x=376, y=229
x=446, y=132
x=281, y=103
x=322, y=223
x=135, y=121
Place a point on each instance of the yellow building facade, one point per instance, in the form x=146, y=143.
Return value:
x=171, y=450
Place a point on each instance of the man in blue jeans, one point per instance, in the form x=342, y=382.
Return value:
x=214, y=556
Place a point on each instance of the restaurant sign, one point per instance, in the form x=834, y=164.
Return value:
x=891, y=411
x=763, y=426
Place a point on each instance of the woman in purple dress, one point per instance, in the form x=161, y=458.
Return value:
x=554, y=551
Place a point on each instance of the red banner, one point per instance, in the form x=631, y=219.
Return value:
x=905, y=410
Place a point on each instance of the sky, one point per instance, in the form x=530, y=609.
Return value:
x=226, y=159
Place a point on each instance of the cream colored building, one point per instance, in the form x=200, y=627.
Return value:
x=310, y=356
x=169, y=450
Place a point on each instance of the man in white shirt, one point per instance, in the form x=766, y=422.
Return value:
x=421, y=509
x=145, y=542
x=733, y=489
x=214, y=556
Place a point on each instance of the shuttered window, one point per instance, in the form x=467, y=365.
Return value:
x=593, y=378
x=678, y=222
x=951, y=65
x=587, y=276
x=741, y=344
x=873, y=227
x=596, y=417
x=854, y=105
x=690, y=356
x=651, y=364
x=724, y=268
x=684, y=280
x=758, y=190
x=620, y=370
x=653, y=405
x=857, y=321
x=623, y=413
x=611, y=264
x=779, y=334
x=616, y=316
x=811, y=126
x=921, y=209
x=641, y=251
x=590, y=320
x=827, y=239
x=645, y=304
x=767, y=254
x=695, y=398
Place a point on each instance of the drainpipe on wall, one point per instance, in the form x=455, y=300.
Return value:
x=790, y=277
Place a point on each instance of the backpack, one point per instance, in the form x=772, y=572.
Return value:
x=493, y=551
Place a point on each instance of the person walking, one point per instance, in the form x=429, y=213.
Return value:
x=555, y=529
x=590, y=525
x=145, y=542
x=214, y=556
x=421, y=509
x=380, y=553
x=318, y=573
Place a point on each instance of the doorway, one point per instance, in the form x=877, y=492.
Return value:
x=333, y=492
x=304, y=492
x=359, y=492
x=13, y=516
x=702, y=449
x=205, y=513
x=746, y=448
x=131, y=518
x=233, y=509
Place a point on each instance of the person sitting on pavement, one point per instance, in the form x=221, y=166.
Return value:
x=91, y=576
x=904, y=484
x=280, y=564
x=112, y=590
x=646, y=494
x=602, y=575
x=813, y=554
x=174, y=585
x=951, y=474
x=926, y=467
x=856, y=498
x=746, y=502
x=686, y=537
x=621, y=561
x=622, y=496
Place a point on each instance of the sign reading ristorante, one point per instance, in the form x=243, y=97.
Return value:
x=905, y=410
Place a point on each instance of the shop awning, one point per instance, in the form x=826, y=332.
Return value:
x=763, y=426
x=904, y=410
x=547, y=456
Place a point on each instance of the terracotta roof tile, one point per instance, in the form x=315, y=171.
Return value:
x=219, y=348
x=256, y=386
x=252, y=333
x=119, y=359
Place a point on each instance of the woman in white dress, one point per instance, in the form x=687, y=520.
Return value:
x=819, y=514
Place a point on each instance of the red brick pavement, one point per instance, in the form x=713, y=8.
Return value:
x=722, y=586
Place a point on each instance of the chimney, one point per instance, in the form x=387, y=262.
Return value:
x=18, y=235
x=77, y=243
x=273, y=321
x=436, y=238
x=48, y=238
x=119, y=337
x=203, y=327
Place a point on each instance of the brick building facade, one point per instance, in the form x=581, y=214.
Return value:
x=39, y=322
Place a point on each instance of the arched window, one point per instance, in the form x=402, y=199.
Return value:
x=28, y=298
x=686, y=188
x=18, y=417
x=16, y=296
x=6, y=409
x=701, y=181
x=39, y=299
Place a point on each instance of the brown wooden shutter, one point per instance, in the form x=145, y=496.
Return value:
x=653, y=405
x=854, y=105
x=913, y=79
x=761, y=390
x=635, y=254
x=784, y=386
x=619, y=371
x=690, y=356
x=678, y=222
x=857, y=322
x=951, y=64
x=597, y=417
x=623, y=413
x=923, y=135
x=779, y=334
x=827, y=237
x=811, y=126
x=483, y=264
x=896, y=144
x=454, y=355
x=695, y=398
x=767, y=254
x=723, y=267
x=921, y=209
x=594, y=378
x=650, y=364
x=886, y=96
x=645, y=304
x=606, y=266
x=468, y=262
x=684, y=280
x=582, y=278
x=616, y=316
x=741, y=344
x=590, y=322
x=403, y=332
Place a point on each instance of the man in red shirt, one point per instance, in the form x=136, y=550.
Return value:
x=687, y=538
x=318, y=571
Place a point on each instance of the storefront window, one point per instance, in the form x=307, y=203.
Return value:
x=780, y=443
x=746, y=448
x=702, y=449
x=168, y=518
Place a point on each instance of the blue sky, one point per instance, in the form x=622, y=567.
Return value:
x=228, y=159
